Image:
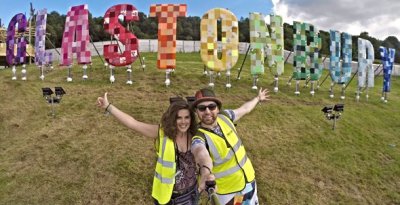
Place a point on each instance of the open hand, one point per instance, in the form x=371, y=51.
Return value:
x=263, y=95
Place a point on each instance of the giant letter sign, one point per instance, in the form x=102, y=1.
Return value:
x=41, y=57
x=13, y=60
x=365, y=69
x=275, y=60
x=302, y=70
x=340, y=73
x=387, y=61
x=258, y=42
x=118, y=31
x=266, y=44
x=230, y=41
x=128, y=39
x=76, y=24
x=167, y=16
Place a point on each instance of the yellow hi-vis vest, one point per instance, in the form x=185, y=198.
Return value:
x=164, y=177
x=231, y=167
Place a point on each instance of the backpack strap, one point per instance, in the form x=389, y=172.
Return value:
x=202, y=136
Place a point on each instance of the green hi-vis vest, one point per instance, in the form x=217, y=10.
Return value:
x=231, y=167
x=164, y=177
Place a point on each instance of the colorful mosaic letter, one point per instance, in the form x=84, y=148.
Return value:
x=167, y=16
x=128, y=39
x=11, y=59
x=365, y=69
x=41, y=57
x=275, y=58
x=266, y=44
x=302, y=50
x=230, y=39
x=302, y=69
x=19, y=19
x=387, y=62
x=77, y=23
x=340, y=74
x=259, y=38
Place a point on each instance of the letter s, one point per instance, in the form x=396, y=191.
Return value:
x=128, y=39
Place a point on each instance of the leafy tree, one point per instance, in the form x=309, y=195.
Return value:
x=55, y=29
x=288, y=36
x=244, y=30
x=96, y=29
x=325, y=40
x=393, y=42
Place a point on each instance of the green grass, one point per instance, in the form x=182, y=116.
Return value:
x=81, y=156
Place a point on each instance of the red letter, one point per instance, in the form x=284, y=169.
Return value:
x=128, y=39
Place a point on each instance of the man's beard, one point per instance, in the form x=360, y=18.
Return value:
x=208, y=121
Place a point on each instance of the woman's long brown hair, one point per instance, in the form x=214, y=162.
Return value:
x=168, y=120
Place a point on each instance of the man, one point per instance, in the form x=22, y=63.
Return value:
x=219, y=151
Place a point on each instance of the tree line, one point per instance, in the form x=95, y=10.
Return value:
x=188, y=28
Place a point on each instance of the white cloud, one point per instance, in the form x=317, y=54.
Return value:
x=379, y=18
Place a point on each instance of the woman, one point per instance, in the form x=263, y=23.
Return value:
x=175, y=174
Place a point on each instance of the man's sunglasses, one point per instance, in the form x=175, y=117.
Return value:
x=203, y=108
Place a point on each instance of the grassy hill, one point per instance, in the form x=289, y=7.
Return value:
x=81, y=156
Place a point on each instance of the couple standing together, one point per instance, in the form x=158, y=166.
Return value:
x=211, y=149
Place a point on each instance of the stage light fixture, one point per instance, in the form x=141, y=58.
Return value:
x=59, y=91
x=338, y=107
x=333, y=113
x=47, y=94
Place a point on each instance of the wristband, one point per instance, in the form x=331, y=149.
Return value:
x=106, y=110
x=204, y=166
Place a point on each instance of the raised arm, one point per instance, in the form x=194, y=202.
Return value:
x=203, y=159
x=248, y=106
x=148, y=130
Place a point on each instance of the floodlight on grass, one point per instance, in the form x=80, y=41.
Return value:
x=59, y=91
x=47, y=94
x=338, y=107
x=333, y=113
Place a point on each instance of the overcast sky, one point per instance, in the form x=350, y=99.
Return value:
x=380, y=18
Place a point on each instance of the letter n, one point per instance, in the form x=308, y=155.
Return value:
x=264, y=43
